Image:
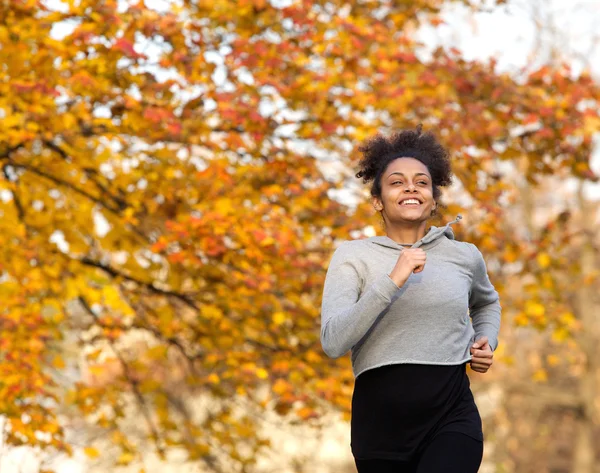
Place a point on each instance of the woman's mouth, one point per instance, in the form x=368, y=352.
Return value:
x=410, y=202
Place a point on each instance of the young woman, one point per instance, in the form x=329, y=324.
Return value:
x=414, y=306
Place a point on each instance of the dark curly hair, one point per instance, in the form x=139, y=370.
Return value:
x=379, y=151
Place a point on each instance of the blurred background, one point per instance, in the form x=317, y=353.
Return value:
x=176, y=175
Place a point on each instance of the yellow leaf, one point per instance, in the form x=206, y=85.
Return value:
x=510, y=255
x=13, y=119
x=213, y=378
x=69, y=121
x=111, y=296
x=521, y=319
x=560, y=334
x=306, y=413
x=224, y=206
x=212, y=312
x=543, y=260
x=125, y=458
x=52, y=428
x=262, y=373
x=158, y=352
x=91, y=452
x=279, y=318
x=591, y=124
x=313, y=357
x=96, y=370
x=534, y=309
x=58, y=362
x=568, y=319
x=281, y=386
x=267, y=241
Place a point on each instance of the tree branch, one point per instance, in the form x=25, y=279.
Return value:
x=148, y=285
x=121, y=203
x=134, y=383
x=64, y=183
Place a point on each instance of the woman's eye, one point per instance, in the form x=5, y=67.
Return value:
x=396, y=182
x=422, y=182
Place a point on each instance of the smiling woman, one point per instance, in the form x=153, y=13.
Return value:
x=403, y=304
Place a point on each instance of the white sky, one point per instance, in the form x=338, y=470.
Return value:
x=508, y=32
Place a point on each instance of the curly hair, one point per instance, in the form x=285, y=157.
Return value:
x=379, y=151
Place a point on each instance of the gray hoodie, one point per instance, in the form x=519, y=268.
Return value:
x=426, y=321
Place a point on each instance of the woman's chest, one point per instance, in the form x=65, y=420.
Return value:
x=441, y=279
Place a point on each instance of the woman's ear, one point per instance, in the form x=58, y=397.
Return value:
x=377, y=204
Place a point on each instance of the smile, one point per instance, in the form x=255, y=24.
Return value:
x=410, y=201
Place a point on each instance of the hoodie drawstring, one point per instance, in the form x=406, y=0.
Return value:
x=456, y=220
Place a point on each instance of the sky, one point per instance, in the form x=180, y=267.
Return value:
x=507, y=33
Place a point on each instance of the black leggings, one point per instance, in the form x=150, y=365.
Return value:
x=448, y=452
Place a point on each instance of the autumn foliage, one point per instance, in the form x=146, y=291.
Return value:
x=167, y=200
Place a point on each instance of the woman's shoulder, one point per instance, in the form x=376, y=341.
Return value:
x=467, y=251
x=350, y=251
x=350, y=247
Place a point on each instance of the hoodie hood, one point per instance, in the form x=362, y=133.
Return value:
x=431, y=238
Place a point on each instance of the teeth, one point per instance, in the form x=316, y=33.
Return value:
x=410, y=201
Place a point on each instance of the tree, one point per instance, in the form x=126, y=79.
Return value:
x=166, y=199
x=551, y=288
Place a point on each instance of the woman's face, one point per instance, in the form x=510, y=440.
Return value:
x=406, y=192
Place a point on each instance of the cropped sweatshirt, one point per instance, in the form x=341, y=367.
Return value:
x=433, y=319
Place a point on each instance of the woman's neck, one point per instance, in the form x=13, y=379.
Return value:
x=407, y=234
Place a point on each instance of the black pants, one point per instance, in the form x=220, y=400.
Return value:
x=449, y=452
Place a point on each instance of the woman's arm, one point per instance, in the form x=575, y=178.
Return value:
x=484, y=303
x=346, y=314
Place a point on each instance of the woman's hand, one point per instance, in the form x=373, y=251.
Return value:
x=482, y=355
x=411, y=260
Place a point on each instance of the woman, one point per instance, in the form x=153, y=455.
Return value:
x=415, y=307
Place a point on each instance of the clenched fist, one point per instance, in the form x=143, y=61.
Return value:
x=482, y=355
x=411, y=260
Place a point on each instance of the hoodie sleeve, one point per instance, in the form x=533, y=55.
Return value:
x=346, y=314
x=484, y=303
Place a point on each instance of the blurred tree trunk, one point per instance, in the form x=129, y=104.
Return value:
x=564, y=395
x=584, y=460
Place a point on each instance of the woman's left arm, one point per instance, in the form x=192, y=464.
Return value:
x=484, y=308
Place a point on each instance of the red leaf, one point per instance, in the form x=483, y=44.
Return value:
x=127, y=48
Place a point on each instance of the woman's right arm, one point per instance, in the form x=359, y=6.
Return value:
x=346, y=314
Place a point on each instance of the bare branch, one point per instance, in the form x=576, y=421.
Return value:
x=134, y=383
